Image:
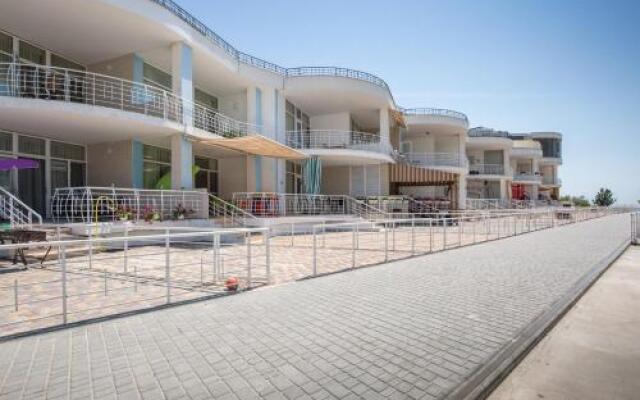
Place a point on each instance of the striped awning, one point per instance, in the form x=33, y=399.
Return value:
x=403, y=173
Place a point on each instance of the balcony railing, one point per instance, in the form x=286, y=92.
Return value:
x=478, y=132
x=335, y=139
x=486, y=169
x=436, y=112
x=76, y=86
x=527, y=177
x=551, y=180
x=434, y=159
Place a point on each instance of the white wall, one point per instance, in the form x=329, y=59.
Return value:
x=232, y=176
x=234, y=105
x=338, y=121
x=110, y=164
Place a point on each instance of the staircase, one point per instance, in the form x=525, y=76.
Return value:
x=18, y=214
x=228, y=214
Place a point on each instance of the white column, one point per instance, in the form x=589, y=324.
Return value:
x=181, y=162
x=462, y=185
x=182, y=78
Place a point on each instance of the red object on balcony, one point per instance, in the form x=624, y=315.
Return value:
x=517, y=192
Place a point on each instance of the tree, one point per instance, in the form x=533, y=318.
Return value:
x=604, y=198
x=578, y=201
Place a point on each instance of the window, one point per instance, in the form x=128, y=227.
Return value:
x=155, y=77
x=61, y=62
x=205, y=99
x=293, y=177
x=207, y=177
x=31, y=53
x=6, y=142
x=6, y=48
x=31, y=145
x=157, y=163
x=67, y=151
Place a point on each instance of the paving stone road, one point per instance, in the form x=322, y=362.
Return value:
x=409, y=329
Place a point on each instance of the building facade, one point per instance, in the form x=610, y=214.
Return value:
x=141, y=94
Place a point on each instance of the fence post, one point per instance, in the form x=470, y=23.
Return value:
x=126, y=248
x=90, y=245
x=515, y=225
x=267, y=255
x=499, y=223
x=473, y=230
x=413, y=235
x=249, y=282
x=167, y=268
x=386, y=242
x=444, y=233
x=63, y=262
x=393, y=236
x=353, y=245
x=315, y=252
x=15, y=294
x=430, y=235
x=460, y=222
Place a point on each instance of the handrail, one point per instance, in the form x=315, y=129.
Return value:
x=436, y=112
x=229, y=210
x=435, y=159
x=18, y=213
x=486, y=169
x=78, y=86
x=338, y=139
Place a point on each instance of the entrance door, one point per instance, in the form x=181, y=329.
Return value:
x=31, y=187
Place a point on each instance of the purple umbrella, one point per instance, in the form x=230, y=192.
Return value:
x=18, y=163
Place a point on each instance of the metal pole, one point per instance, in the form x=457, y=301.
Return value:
x=215, y=258
x=167, y=271
x=459, y=231
x=90, y=245
x=430, y=235
x=444, y=233
x=249, y=283
x=126, y=248
x=353, y=246
x=63, y=263
x=15, y=294
x=386, y=242
x=315, y=253
x=267, y=255
x=393, y=236
x=413, y=235
x=473, y=230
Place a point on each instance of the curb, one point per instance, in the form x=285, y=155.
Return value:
x=484, y=380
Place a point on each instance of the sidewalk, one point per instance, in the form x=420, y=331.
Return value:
x=594, y=351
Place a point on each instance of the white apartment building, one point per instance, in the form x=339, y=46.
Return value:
x=139, y=93
x=507, y=166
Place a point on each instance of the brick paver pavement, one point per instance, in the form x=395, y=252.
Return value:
x=409, y=329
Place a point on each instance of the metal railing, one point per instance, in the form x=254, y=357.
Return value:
x=102, y=276
x=440, y=112
x=434, y=159
x=336, y=139
x=527, y=177
x=103, y=204
x=228, y=213
x=76, y=86
x=264, y=204
x=481, y=132
x=486, y=169
x=17, y=212
x=551, y=180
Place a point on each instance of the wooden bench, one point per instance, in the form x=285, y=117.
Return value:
x=23, y=236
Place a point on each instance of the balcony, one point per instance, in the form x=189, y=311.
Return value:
x=42, y=82
x=527, y=178
x=338, y=140
x=551, y=181
x=486, y=169
x=434, y=159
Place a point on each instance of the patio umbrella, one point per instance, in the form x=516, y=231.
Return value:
x=311, y=175
x=17, y=163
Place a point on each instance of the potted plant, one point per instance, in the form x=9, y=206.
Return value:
x=150, y=214
x=180, y=212
x=124, y=213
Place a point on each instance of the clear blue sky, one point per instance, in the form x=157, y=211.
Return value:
x=572, y=67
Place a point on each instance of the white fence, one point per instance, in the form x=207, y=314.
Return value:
x=435, y=159
x=99, y=276
x=16, y=212
x=336, y=139
x=100, y=204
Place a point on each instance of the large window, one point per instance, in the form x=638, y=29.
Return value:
x=156, y=77
x=551, y=147
x=6, y=48
x=61, y=62
x=293, y=177
x=207, y=176
x=205, y=99
x=32, y=54
x=31, y=145
x=157, y=163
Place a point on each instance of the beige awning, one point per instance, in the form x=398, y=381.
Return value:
x=259, y=146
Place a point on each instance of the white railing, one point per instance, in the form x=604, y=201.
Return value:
x=97, y=277
x=17, y=212
x=77, y=86
x=336, y=139
x=101, y=204
x=228, y=213
x=527, y=177
x=551, y=180
x=486, y=169
x=262, y=204
x=434, y=159
x=440, y=112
